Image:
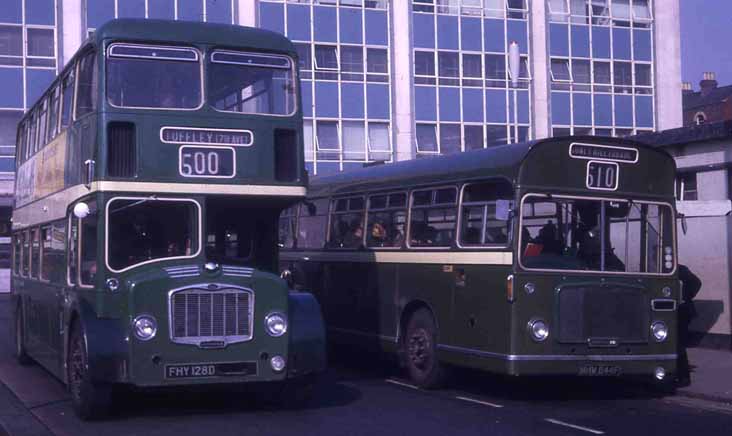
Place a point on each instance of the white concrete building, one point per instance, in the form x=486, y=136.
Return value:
x=398, y=79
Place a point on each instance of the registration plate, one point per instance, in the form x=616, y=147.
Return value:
x=206, y=370
x=600, y=371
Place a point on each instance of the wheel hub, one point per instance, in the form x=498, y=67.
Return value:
x=420, y=348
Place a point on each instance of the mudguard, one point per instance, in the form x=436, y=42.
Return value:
x=106, y=344
x=307, y=335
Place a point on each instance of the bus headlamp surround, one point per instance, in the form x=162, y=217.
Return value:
x=538, y=330
x=659, y=331
x=144, y=327
x=276, y=324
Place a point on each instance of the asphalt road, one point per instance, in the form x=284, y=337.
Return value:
x=362, y=396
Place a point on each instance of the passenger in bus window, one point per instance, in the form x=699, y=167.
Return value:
x=354, y=237
x=378, y=237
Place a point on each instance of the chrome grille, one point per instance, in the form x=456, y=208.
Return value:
x=211, y=314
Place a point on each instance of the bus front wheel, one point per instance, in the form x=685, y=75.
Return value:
x=89, y=400
x=420, y=346
x=20, y=354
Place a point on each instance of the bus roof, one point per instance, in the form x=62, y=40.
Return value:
x=499, y=161
x=188, y=32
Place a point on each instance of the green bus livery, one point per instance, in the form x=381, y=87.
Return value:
x=150, y=178
x=554, y=257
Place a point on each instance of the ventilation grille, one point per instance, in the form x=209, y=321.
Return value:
x=121, y=150
x=286, y=157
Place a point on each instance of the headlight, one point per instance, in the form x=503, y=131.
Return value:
x=539, y=330
x=275, y=324
x=659, y=331
x=144, y=327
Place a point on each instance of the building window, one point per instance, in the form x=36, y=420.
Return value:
x=352, y=63
x=449, y=68
x=11, y=45
x=427, y=138
x=326, y=59
x=424, y=67
x=450, y=138
x=560, y=71
x=327, y=137
x=686, y=187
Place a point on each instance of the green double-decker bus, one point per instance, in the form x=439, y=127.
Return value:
x=150, y=178
x=554, y=257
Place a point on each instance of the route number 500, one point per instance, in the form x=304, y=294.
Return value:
x=200, y=163
x=206, y=162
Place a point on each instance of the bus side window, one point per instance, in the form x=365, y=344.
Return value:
x=387, y=218
x=88, y=247
x=312, y=221
x=67, y=99
x=35, y=253
x=87, y=85
x=432, y=222
x=480, y=224
x=53, y=240
x=346, y=224
x=17, y=252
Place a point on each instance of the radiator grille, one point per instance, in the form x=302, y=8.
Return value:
x=603, y=312
x=201, y=315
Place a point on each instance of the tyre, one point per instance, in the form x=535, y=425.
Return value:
x=20, y=354
x=420, y=350
x=89, y=400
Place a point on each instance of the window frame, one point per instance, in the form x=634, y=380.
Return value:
x=108, y=54
x=566, y=63
x=291, y=69
x=332, y=213
x=411, y=207
x=199, y=229
x=458, y=230
x=338, y=137
x=95, y=82
x=46, y=227
x=335, y=69
x=405, y=208
x=434, y=126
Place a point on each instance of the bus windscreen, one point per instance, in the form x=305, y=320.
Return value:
x=596, y=235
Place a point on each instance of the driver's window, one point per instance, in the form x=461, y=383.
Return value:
x=87, y=243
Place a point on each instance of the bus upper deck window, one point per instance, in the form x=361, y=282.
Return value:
x=251, y=83
x=153, y=77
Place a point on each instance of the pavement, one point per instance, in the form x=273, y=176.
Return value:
x=711, y=376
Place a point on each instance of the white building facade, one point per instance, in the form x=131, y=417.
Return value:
x=399, y=79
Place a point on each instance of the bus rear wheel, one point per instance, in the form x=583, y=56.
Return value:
x=420, y=346
x=89, y=400
x=20, y=354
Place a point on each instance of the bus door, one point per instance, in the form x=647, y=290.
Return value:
x=482, y=266
x=346, y=277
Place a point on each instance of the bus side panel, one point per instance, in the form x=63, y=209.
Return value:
x=481, y=312
x=432, y=285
